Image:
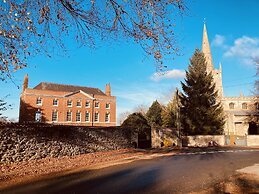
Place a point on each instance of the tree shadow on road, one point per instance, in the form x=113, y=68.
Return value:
x=104, y=181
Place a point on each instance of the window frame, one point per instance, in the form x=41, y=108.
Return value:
x=56, y=112
x=89, y=117
x=107, y=115
x=98, y=117
x=231, y=105
x=55, y=100
x=109, y=105
x=39, y=101
x=78, y=116
x=38, y=116
x=68, y=103
x=69, y=116
x=96, y=103
x=89, y=104
x=244, y=106
x=80, y=103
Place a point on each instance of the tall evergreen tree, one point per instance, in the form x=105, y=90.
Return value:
x=154, y=114
x=201, y=113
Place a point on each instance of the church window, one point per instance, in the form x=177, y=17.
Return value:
x=231, y=105
x=244, y=106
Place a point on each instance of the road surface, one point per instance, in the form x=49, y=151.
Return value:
x=181, y=173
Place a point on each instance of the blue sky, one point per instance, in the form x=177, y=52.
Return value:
x=233, y=30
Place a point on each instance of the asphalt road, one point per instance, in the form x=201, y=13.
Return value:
x=182, y=173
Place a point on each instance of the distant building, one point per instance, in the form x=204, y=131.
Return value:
x=237, y=108
x=67, y=105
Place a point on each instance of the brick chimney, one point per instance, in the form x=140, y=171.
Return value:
x=108, y=90
x=25, y=82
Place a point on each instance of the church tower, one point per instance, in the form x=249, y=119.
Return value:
x=216, y=73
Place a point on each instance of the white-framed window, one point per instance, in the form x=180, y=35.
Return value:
x=107, y=117
x=97, y=104
x=55, y=102
x=96, y=117
x=38, y=115
x=244, y=105
x=87, y=104
x=69, y=103
x=231, y=105
x=78, y=103
x=78, y=116
x=69, y=116
x=54, y=116
x=108, y=105
x=87, y=117
x=39, y=101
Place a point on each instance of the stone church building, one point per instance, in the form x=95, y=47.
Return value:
x=237, y=108
x=67, y=105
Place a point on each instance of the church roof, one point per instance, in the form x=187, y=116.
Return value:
x=67, y=88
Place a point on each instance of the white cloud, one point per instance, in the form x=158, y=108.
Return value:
x=171, y=74
x=219, y=41
x=245, y=49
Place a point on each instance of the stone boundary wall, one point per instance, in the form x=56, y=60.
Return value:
x=203, y=140
x=253, y=140
x=35, y=141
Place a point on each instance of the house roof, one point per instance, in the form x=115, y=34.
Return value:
x=67, y=88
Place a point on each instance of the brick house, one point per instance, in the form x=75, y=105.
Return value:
x=67, y=105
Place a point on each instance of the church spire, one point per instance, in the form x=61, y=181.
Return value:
x=206, y=49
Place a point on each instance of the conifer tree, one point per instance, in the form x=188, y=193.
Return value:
x=154, y=114
x=201, y=112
